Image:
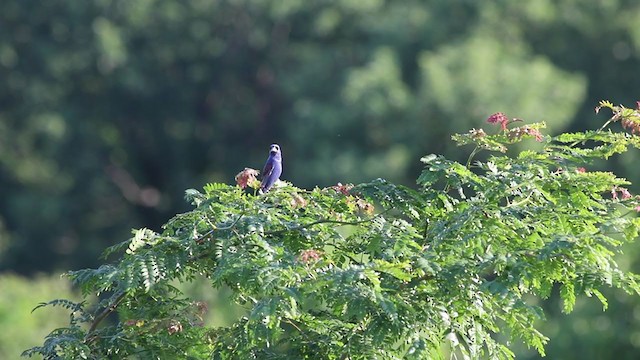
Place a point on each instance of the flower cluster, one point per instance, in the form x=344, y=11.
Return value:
x=533, y=132
x=477, y=133
x=631, y=125
x=298, y=201
x=629, y=119
x=365, y=206
x=344, y=189
x=624, y=193
x=306, y=256
x=200, y=309
x=174, y=327
x=134, y=322
x=519, y=132
x=499, y=118
x=247, y=177
x=360, y=203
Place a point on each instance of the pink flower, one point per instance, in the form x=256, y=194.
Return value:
x=637, y=208
x=246, y=177
x=499, y=118
x=624, y=193
x=581, y=170
x=631, y=125
x=344, y=189
x=518, y=132
x=307, y=256
x=534, y=132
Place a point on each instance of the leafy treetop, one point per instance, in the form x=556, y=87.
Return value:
x=375, y=270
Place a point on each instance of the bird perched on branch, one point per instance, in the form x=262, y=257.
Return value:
x=272, y=168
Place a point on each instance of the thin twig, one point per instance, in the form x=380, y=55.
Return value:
x=105, y=312
x=326, y=221
x=612, y=119
x=519, y=202
x=201, y=238
x=290, y=322
x=476, y=150
x=425, y=232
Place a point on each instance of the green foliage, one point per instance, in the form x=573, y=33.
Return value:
x=375, y=270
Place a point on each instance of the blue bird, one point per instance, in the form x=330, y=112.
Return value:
x=272, y=169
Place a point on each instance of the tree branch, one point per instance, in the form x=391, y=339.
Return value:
x=326, y=221
x=105, y=312
x=201, y=238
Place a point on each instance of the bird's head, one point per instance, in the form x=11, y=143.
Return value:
x=274, y=149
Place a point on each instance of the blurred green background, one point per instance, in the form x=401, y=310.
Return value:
x=110, y=109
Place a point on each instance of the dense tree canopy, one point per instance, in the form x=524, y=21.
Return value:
x=375, y=270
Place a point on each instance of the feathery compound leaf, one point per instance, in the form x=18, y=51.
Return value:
x=141, y=237
x=568, y=296
x=67, y=304
x=117, y=248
